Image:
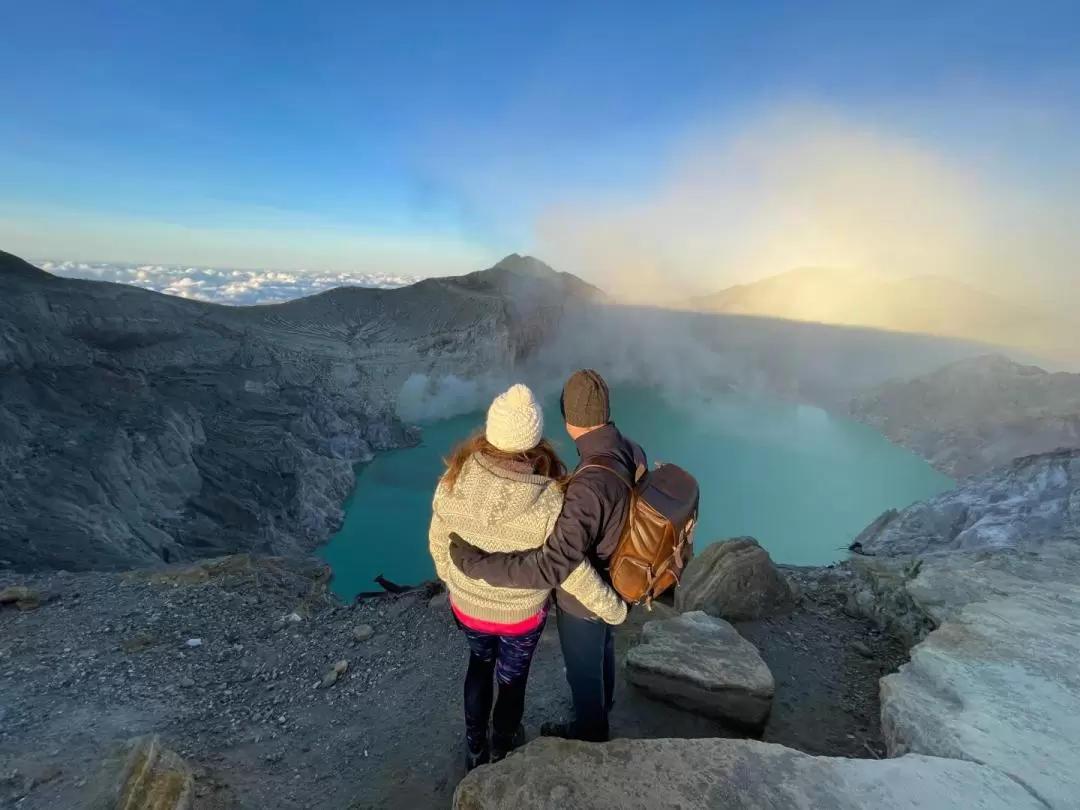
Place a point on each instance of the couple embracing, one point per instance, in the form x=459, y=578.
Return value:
x=509, y=526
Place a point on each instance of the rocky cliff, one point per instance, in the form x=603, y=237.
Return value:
x=1020, y=506
x=988, y=576
x=976, y=414
x=138, y=428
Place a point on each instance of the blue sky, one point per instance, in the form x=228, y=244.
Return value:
x=433, y=137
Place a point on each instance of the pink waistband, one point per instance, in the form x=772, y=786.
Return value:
x=498, y=628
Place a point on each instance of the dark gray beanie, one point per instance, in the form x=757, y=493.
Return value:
x=586, y=401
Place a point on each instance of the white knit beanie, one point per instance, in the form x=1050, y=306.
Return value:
x=515, y=421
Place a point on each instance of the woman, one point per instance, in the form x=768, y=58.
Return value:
x=502, y=491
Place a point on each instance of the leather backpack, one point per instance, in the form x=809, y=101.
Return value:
x=657, y=540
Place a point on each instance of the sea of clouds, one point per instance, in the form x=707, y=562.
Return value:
x=223, y=286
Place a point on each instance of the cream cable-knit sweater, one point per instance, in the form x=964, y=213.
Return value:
x=500, y=510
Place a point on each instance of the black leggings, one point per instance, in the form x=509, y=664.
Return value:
x=506, y=659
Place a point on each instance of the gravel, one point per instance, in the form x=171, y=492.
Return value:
x=293, y=700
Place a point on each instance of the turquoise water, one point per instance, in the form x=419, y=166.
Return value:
x=802, y=482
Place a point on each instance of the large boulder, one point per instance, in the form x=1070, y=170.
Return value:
x=140, y=775
x=999, y=682
x=735, y=580
x=21, y=597
x=701, y=663
x=718, y=774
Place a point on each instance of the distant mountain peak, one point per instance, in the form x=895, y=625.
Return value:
x=918, y=304
x=524, y=265
x=525, y=277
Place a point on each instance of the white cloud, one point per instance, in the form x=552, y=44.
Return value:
x=224, y=286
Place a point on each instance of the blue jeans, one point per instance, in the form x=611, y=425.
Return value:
x=505, y=659
x=588, y=648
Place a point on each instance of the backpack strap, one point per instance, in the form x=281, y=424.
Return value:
x=611, y=470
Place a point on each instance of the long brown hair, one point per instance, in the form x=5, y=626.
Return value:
x=542, y=459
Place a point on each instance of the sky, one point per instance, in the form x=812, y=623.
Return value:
x=644, y=146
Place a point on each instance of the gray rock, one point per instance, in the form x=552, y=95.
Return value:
x=141, y=775
x=977, y=414
x=334, y=675
x=701, y=663
x=994, y=594
x=1020, y=506
x=439, y=601
x=998, y=683
x=22, y=597
x=362, y=632
x=735, y=580
x=138, y=642
x=718, y=774
x=916, y=596
x=402, y=604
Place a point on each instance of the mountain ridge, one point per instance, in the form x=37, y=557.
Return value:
x=139, y=428
x=498, y=277
x=976, y=414
x=924, y=304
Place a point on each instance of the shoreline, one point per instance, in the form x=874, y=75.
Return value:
x=838, y=549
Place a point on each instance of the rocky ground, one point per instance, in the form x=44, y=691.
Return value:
x=277, y=696
x=826, y=662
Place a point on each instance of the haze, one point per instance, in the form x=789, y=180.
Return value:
x=812, y=187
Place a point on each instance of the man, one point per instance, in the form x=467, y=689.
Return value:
x=588, y=528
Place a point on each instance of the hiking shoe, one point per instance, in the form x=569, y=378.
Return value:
x=474, y=759
x=571, y=731
x=564, y=731
x=500, y=747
